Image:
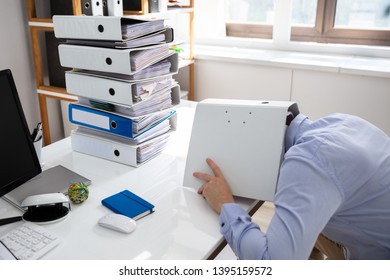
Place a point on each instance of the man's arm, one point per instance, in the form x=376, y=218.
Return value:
x=305, y=201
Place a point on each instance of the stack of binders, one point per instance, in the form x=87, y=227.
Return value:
x=122, y=72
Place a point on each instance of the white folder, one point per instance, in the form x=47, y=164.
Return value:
x=245, y=138
x=98, y=27
x=108, y=89
x=163, y=36
x=105, y=59
x=115, y=148
x=95, y=7
x=115, y=8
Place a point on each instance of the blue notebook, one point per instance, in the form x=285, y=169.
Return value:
x=128, y=204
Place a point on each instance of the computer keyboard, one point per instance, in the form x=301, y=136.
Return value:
x=29, y=241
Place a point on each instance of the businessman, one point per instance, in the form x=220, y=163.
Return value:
x=334, y=185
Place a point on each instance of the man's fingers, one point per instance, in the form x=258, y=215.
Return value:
x=203, y=176
x=214, y=167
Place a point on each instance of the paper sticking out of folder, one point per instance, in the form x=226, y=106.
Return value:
x=143, y=57
x=151, y=102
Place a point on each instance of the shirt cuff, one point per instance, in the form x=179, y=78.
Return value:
x=230, y=212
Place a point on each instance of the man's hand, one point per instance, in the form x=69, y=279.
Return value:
x=215, y=189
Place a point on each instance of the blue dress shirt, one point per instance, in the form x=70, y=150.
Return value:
x=335, y=180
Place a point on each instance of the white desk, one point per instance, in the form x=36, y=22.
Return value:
x=183, y=226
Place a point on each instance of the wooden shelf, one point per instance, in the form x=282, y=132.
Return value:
x=38, y=24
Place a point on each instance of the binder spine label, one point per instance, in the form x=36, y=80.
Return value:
x=91, y=119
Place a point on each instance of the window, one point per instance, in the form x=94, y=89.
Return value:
x=249, y=18
x=324, y=21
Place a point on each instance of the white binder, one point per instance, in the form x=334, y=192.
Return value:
x=93, y=7
x=109, y=89
x=107, y=60
x=115, y=148
x=245, y=138
x=99, y=27
x=115, y=8
x=163, y=36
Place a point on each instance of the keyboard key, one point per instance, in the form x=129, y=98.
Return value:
x=30, y=241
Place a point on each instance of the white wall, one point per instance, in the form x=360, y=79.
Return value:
x=240, y=81
x=16, y=54
x=317, y=93
x=321, y=93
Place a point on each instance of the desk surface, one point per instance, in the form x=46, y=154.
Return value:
x=183, y=226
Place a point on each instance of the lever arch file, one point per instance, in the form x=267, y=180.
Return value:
x=115, y=123
x=128, y=204
x=161, y=100
x=92, y=7
x=112, y=28
x=157, y=102
x=119, y=149
x=164, y=67
x=120, y=92
x=114, y=8
x=110, y=60
x=245, y=138
x=163, y=36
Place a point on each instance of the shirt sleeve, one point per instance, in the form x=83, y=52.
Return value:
x=306, y=199
x=244, y=237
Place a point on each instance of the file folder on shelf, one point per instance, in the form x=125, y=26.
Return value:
x=115, y=148
x=114, y=8
x=119, y=92
x=92, y=7
x=116, y=123
x=109, y=28
x=160, y=37
x=111, y=60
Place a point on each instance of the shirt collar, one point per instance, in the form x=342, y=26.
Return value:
x=298, y=124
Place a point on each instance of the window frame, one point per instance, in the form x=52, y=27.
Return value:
x=323, y=31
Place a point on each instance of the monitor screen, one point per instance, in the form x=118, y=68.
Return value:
x=19, y=159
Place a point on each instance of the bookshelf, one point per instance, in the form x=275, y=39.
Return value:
x=43, y=23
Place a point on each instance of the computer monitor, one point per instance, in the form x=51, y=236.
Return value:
x=20, y=162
